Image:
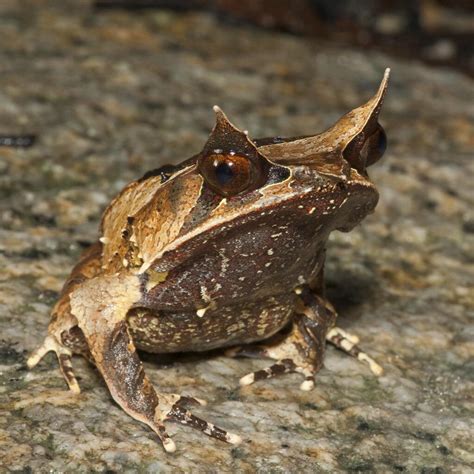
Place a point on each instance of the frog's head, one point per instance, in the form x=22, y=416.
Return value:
x=235, y=184
x=232, y=164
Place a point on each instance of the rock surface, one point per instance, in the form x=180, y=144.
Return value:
x=113, y=95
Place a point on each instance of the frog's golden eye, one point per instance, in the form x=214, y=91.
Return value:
x=229, y=174
x=375, y=146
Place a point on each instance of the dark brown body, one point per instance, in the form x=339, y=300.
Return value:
x=227, y=266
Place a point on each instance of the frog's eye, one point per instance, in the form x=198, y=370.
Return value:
x=230, y=162
x=375, y=146
x=229, y=174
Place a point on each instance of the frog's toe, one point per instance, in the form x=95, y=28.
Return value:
x=185, y=417
x=348, y=343
x=283, y=366
x=180, y=414
x=64, y=358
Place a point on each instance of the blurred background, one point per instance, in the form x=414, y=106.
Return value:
x=436, y=31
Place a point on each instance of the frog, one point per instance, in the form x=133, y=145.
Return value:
x=225, y=250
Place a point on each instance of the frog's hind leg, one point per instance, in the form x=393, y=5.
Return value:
x=348, y=343
x=302, y=350
x=64, y=358
x=101, y=306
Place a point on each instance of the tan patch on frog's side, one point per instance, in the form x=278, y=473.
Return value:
x=160, y=221
x=115, y=218
x=99, y=304
x=145, y=217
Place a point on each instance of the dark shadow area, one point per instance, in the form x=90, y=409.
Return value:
x=437, y=32
x=348, y=290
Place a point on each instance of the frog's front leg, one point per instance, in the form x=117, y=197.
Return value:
x=63, y=353
x=64, y=337
x=302, y=350
x=100, y=306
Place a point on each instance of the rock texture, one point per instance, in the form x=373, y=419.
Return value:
x=112, y=95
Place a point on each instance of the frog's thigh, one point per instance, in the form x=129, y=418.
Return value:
x=302, y=350
x=100, y=306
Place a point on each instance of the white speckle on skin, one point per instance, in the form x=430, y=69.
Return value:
x=268, y=264
x=311, y=210
x=205, y=294
x=224, y=262
x=274, y=236
x=270, y=251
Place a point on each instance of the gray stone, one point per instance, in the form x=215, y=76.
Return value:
x=112, y=95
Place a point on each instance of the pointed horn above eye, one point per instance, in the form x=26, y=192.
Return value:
x=223, y=122
x=227, y=138
x=230, y=162
x=325, y=151
x=360, y=121
x=383, y=85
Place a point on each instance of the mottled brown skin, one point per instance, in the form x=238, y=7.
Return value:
x=225, y=249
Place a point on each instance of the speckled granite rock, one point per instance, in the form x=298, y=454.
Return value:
x=114, y=95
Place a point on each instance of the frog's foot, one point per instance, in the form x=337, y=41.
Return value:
x=348, y=343
x=172, y=407
x=64, y=358
x=100, y=306
x=287, y=354
x=288, y=360
x=178, y=413
x=302, y=350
